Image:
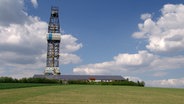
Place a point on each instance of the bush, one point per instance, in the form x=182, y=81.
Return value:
x=123, y=83
x=78, y=82
x=119, y=83
x=38, y=80
x=7, y=80
x=28, y=80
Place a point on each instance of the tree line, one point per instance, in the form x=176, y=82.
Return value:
x=119, y=83
x=81, y=82
x=27, y=80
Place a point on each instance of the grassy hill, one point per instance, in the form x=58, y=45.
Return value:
x=91, y=94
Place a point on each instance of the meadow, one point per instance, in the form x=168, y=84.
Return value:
x=91, y=94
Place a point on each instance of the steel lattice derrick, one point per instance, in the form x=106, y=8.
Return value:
x=53, y=43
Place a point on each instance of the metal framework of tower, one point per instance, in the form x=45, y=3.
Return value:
x=53, y=43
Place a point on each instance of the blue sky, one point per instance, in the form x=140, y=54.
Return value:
x=140, y=40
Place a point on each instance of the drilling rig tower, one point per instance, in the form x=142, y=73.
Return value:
x=53, y=43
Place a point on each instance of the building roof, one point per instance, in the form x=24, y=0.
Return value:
x=81, y=77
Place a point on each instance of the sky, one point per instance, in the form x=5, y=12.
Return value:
x=137, y=39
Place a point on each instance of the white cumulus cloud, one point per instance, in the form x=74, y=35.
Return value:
x=35, y=3
x=166, y=34
x=69, y=44
x=142, y=58
x=121, y=64
x=145, y=16
x=11, y=11
x=67, y=58
x=171, y=83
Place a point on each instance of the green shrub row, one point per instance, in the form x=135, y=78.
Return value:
x=21, y=85
x=27, y=80
x=121, y=83
x=82, y=82
x=124, y=83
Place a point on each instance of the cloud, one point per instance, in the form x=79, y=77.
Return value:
x=142, y=58
x=69, y=44
x=145, y=16
x=11, y=11
x=160, y=74
x=68, y=58
x=166, y=33
x=170, y=83
x=23, y=39
x=35, y=3
x=120, y=64
x=166, y=63
x=23, y=42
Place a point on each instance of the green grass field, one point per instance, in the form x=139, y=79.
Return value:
x=91, y=94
